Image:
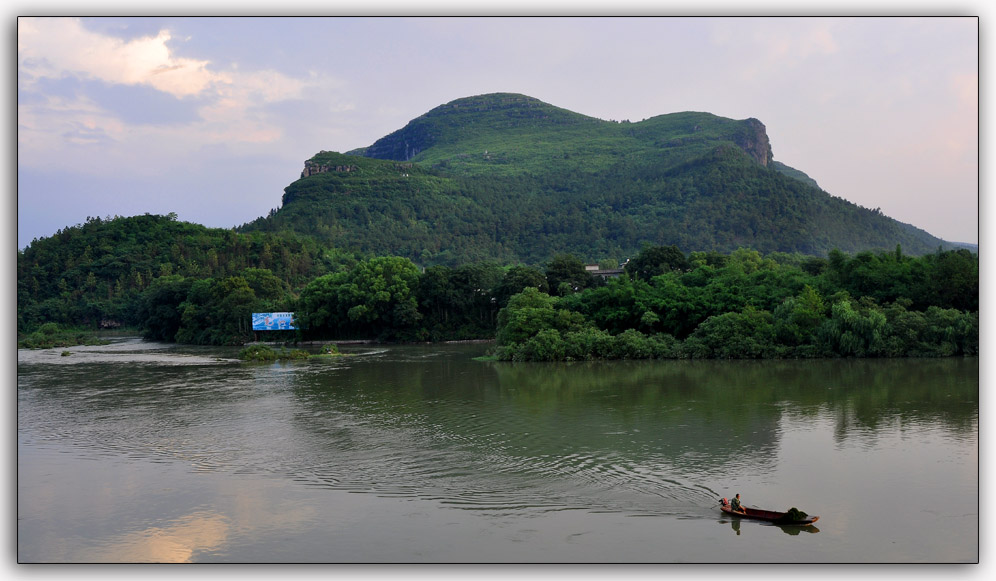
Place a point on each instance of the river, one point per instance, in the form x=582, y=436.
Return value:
x=151, y=452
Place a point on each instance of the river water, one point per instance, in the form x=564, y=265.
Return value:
x=139, y=452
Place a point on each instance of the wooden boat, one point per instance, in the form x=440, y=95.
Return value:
x=769, y=516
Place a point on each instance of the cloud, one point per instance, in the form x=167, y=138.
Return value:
x=56, y=47
x=135, y=98
x=86, y=134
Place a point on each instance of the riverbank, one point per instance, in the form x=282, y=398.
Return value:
x=50, y=335
x=371, y=342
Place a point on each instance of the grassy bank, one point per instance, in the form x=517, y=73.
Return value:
x=50, y=335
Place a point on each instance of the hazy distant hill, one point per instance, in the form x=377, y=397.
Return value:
x=508, y=177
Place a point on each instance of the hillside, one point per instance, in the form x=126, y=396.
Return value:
x=511, y=178
x=96, y=273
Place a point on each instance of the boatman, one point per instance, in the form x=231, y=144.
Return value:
x=735, y=504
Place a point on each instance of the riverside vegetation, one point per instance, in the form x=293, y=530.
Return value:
x=50, y=335
x=666, y=303
x=744, y=306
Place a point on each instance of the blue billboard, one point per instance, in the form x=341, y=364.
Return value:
x=273, y=322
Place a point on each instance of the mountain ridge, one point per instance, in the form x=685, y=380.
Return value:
x=508, y=177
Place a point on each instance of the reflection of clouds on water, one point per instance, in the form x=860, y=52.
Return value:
x=176, y=542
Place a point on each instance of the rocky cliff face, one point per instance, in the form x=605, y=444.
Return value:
x=311, y=168
x=754, y=140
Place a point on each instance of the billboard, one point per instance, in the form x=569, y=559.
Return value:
x=273, y=322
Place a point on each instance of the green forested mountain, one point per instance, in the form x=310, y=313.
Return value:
x=510, y=178
x=475, y=221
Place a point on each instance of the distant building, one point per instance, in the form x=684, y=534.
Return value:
x=594, y=270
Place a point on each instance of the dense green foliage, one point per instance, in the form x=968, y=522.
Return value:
x=374, y=298
x=387, y=298
x=152, y=271
x=752, y=307
x=666, y=304
x=51, y=335
x=510, y=178
x=266, y=353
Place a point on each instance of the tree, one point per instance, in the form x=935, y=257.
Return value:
x=622, y=303
x=951, y=332
x=656, y=260
x=854, y=332
x=516, y=280
x=565, y=274
x=745, y=335
x=475, y=286
x=530, y=312
x=459, y=303
x=435, y=296
x=159, y=309
x=265, y=285
x=319, y=304
x=955, y=283
x=217, y=312
x=798, y=318
x=526, y=314
x=376, y=298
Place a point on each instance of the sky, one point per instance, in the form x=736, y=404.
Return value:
x=211, y=118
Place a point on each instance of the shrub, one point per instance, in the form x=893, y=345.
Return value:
x=547, y=345
x=258, y=353
x=48, y=329
x=631, y=344
x=745, y=335
x=587, y=343
x=50, y=335
x=267, y=353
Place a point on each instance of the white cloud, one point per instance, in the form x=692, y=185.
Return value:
x=56, y=47
x=231, y=104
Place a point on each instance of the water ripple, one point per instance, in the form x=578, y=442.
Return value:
x=418, y=425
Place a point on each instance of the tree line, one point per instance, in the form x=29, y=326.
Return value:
x=186, y=283
x=745, y=306
x=664, y=305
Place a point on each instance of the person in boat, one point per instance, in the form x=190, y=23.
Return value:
x=736, y=506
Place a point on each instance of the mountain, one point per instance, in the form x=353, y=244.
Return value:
x=508, y=177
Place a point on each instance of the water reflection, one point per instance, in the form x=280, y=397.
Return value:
x=174, y=542
x=749, y=397
x=736, y=527
x=435, y=423
x=647, y=437
x=503, y=440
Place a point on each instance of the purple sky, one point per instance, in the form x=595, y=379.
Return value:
x=212, y=117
